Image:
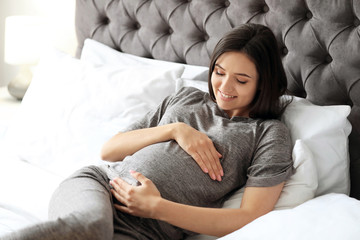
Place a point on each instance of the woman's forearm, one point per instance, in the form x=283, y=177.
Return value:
x=256, y=202
x=209, y=221
x=127, y=143
x=197, y=144
x=146, y=201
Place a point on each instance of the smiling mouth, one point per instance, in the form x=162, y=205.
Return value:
x=225, y=95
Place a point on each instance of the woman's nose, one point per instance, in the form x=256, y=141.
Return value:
x=226, y=84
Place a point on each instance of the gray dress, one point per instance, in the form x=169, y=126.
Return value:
x=255, y=153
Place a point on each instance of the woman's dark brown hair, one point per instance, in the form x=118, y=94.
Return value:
x=259, y=44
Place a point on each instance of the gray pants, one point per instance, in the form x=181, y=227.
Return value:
x=82, y=208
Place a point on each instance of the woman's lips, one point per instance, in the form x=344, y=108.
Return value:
x=226, y=97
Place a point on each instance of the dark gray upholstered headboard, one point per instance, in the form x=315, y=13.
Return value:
x=319, y=41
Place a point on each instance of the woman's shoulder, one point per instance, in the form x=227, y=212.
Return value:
x=274, y=126
x=190, y=90
x=190, y=94
x=273, y=132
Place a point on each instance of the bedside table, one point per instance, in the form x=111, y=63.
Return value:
x=8, y=109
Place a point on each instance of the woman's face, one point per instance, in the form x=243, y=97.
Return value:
x=234, y=82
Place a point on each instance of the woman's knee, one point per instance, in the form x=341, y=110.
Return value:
x=84, y=192
x=84, y=226
x=94, y=172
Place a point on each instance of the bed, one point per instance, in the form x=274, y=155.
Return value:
x=133, y=53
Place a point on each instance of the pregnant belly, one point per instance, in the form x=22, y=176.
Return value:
x=176, y=175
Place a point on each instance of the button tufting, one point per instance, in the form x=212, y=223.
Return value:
x=328, y=59
x=309, y=15
x=170, y=31
x=285, y=51
x=356, y=22
x=137, y=25
x=206, y=37
x=105, y=20
x=227, y=3
x=265, y=8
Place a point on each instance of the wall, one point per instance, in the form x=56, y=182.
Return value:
x=60, y=14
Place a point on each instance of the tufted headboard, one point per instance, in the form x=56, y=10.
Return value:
x=319, y=41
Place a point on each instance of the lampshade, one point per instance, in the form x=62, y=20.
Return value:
x=25, y=37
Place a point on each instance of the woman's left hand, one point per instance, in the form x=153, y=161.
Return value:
x=140, y=200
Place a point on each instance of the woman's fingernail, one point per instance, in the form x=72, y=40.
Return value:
x=222, y=173
x=132, y=171
x=213, y=177
x=206, y=170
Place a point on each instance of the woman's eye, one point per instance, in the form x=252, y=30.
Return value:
x=241, y=82
x=219, y=73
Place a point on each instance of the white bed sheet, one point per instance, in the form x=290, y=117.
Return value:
x=331, y=217
x=25, y=191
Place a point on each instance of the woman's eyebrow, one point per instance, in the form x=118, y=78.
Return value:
x=240, y=74
x=218, y=65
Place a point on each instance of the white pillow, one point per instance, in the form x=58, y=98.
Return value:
x=72, y=108
x=301, y=186
x=99, y=54
x=324, y=129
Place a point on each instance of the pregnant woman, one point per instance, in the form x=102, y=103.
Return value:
x=173, y=169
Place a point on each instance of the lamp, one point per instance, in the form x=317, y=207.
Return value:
x=24, y=41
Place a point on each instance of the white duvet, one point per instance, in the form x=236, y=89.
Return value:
x=73, y=106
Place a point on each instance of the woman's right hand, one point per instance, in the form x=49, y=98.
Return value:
x=201, y=148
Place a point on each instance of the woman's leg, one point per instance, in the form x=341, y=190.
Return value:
x=80, y=208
